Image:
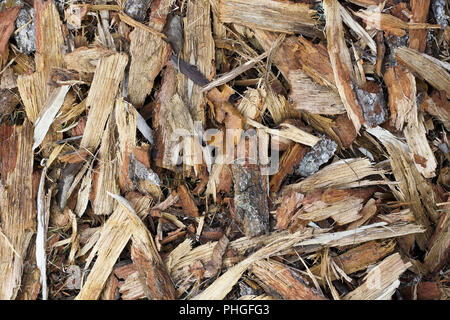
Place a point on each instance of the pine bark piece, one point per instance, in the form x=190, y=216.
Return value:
x=341, y=63
x=137, y=9
x=102, y=95
x=318, y=155
x=418, y=38
x=7, y=18
x=250, y=200
x=18, y=219
x=199, y=51
x=269, y=15
x=382, y=281
x=425, y=67
x=371, y=99
x=360, y=257
x=187, y=201
x=288, y=161
x=281, y=281
x=149, y=53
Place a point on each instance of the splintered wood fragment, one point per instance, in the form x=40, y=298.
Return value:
x=114, y=235
x=234, y=73
x=438, y=106
x=48, y=114
x=413, y=187
x=308, y=95
x=344, y=130
x=341, y=62
x=152, y=271
x=418, y=38
x=101, y=97
x=422, y=155
x=382, y=281
x=269, y=15
x=86, y=59
x=279, y=108
x=223, y=285
x=149, y=53
x=43, y=215
x=425, y=67
x=346, y=173
x=303, y=237
x=106, y=173
x=360, y=257
x=387, y=22
x=279, y=280
x=404, y=113
x=288, y=131
x=18, y=218
x=343, y=206
x=252, y=104
x=288, y=161
x=7, y=18
x=250, y=199
x=199, y=51
x=291, y=203
x=367, y=212
x=401, y=86
x=187, y=201
x=360, y=31
x=439, y=251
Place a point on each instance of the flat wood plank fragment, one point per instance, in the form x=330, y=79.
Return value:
x=18, y=219
x=269, y=15
x=382, y=281
x=101, y=97
x=149, y=53
x=199, y=51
